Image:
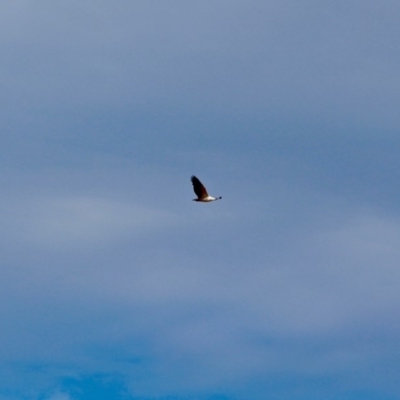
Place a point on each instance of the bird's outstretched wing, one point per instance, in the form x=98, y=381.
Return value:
x=198, y=188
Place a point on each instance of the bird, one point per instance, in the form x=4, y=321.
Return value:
x=201, y=191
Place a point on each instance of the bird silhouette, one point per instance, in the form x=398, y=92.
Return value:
x=201, y=191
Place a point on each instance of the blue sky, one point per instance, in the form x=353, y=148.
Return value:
x=115, y=285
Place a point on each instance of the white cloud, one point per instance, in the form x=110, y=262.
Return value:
x=59, y=396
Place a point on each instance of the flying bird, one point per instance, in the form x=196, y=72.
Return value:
x=201, y=191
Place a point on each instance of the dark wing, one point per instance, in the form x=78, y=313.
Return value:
x=198, y=188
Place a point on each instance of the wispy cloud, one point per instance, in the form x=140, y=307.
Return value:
x=78, y=220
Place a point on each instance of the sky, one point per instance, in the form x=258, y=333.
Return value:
x=115, y=284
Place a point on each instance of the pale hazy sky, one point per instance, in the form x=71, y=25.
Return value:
x=115, y=285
